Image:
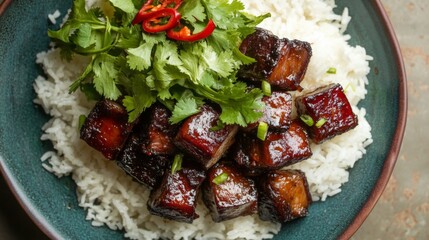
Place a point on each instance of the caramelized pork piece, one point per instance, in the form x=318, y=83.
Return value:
x=277, y=111
x=228, y=193
x=292, y=65
x=278, y=150
x=282, y=62
x=159, y=136
x=330, y=111
x=265, y=48
x=176, y=197
x=146, y=169
x=197, y=138
x=283, y=196
x=106, y=128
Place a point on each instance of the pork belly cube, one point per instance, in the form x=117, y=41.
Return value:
x=279, y=149
x=233, y=196
x=146, y=169
x=265, y=48
x=292, y=65
x=197, y=138
x=277, y=111
x=330, y=111
x=160, y=133
x=176, y=196
x=106, y=128
x=282, y=62
x=283, y=196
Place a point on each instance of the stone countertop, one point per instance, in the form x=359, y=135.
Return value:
x=403, y=209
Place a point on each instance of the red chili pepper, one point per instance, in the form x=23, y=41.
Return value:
x=148, y=10
x=184, y=34
x=156, y=23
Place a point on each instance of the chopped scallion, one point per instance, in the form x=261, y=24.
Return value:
x=221, y=178
x=332, y=70
x=307, y=120
x=266, y=88
x=177, y=163
x=262, y=131
x=320, y=122
x=82, y=119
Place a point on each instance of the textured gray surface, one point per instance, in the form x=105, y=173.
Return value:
x=403, y=209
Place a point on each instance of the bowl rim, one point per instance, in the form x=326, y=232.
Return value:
x=378, y=189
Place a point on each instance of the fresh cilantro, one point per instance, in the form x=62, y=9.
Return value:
x=184, y=108
x=139, y=68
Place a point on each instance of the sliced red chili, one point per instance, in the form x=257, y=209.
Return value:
x=161, y=20
x=148, y=10
x=184, y=34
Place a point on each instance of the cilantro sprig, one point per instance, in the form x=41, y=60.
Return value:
x=140, y=69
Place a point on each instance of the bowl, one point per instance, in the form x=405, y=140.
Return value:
x=51, y=202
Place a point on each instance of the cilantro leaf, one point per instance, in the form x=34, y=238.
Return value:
x=140, y=58
x=105, y=76
x=183, y=109
x=141, y=99
x=125, y=5
x=193, y=10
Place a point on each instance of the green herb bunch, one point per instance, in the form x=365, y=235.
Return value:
x=139, y=69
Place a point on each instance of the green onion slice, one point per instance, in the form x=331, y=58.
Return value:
x=307, y=120
x=262, y=131
x=266, y=88
x=82, y=119
x=221, y=178
x=332, y=70
x=177, y=163
x=320, y=122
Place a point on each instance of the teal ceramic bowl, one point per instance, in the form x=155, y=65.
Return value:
x=51, y=202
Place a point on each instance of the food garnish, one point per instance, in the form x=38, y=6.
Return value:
x=221, y=178
x=139, y=68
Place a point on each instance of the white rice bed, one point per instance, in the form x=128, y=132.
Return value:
x=121, y=202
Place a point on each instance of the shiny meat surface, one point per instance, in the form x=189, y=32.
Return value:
x=278, y=150
x=106, y=128
x=196, y=137
x=283, y=196
x=264, y=47
x=146, y=169
x=282, y=62
x=176, y=197
x=159, y=136
x=292, y=65
x=330, y=104
x=236, y=196
x=277, y=111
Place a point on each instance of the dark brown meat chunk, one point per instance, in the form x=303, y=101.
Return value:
x=278, y=150
x=197, y=138
x=277, y=111
x=282, y=62
x=292, y=65
x=328, y=104
x=146, y=169
x=176, y=197
x=236, y=196
x=106, y=128
x=265, y=48
x=159, y=136
x=283, y=196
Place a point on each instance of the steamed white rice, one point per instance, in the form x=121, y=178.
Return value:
x=112, y=198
